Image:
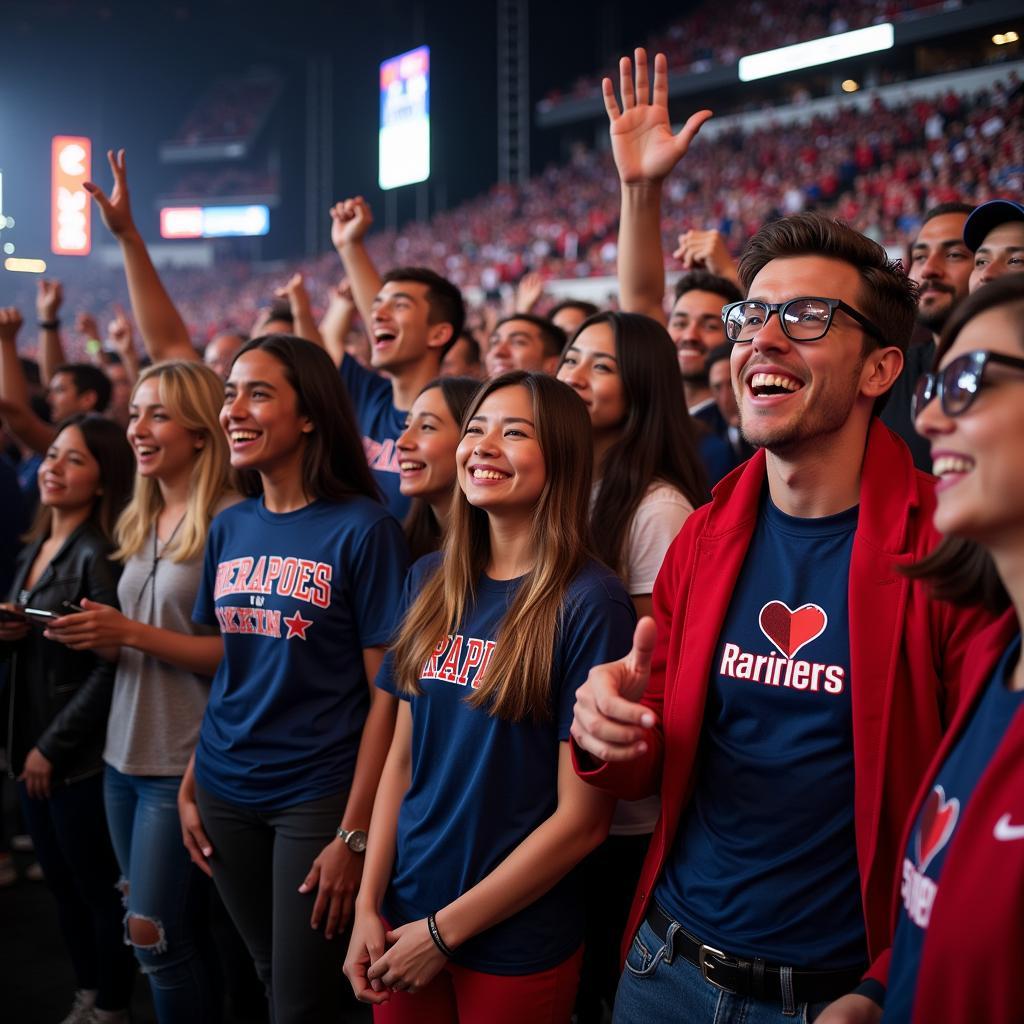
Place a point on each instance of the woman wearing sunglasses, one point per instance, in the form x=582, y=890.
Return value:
x=959, y=929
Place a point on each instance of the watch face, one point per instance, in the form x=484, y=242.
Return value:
x=356, y=841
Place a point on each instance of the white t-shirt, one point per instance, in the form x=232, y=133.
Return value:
x=658, y=518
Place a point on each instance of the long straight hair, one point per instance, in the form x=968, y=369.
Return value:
x=961, y=570
x=657, y=440
x=422, y=530
x=192, y=394
x=107, y=445
x=517, y=684
x=334, y=464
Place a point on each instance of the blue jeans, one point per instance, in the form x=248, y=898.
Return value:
x=69, y=831
x=655, y=988
x=166, y=890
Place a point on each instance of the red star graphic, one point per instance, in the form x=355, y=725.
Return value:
x=297, y=626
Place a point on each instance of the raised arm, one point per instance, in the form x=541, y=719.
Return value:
x=49, y=296
x=302, y=315
x=119, y=334
x=706, y=250
x=645, y=152
x=350, y=220
x=337, y=321
x=163, y=331
x=14, y=404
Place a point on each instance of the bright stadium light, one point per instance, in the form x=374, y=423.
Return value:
x=21, y=266
x=850, y=85
x=816, y=51
x=404, y=136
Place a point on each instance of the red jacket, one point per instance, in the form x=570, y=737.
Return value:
x=906, y=662
x=971, y=958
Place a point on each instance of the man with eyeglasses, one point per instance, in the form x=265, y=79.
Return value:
x=793, y=683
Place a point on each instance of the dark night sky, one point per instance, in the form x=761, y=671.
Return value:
x=126, y=73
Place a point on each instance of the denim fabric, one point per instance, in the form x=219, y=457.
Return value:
x=166, y=889
x=69, y=831
x=656, y=988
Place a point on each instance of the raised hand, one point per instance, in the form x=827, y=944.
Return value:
x=350, y=220
x=643, y=145
x=49, y=296
x=119, y=332
x=294, y=291
x=10, y=324
x=608, y=720
x=528, y=292
x=116, y=210
x=705, y=250
x=86, y=326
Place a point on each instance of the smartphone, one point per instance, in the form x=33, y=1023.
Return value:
x=41, y=615
x=71, y=607
x=6, y=615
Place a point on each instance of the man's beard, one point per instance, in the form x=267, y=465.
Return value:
x=935, y=318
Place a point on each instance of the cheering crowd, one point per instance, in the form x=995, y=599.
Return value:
x=434, y=649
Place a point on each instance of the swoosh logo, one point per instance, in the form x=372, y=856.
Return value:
x=1007, y=832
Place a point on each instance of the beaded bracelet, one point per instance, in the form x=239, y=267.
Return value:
x=436, y=936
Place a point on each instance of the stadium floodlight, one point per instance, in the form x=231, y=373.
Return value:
x=404, y=136
x=816, y=51
x=23, y=266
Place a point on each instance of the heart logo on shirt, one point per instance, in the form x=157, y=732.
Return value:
x=938, y=819
x=790, y=630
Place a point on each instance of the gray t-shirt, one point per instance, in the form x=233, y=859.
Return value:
x=157, y=707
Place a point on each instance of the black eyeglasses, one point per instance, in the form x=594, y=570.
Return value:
x=958, y=384
x=804, y=319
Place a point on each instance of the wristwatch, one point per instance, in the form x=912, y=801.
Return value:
x=354, y=838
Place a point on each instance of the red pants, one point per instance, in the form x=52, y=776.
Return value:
x=461, y=996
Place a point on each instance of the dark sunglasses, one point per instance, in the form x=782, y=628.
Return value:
x=958, y=384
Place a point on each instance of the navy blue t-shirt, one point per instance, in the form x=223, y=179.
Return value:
x=936, y=825
x=297, y=596
x=480, y=785
x=380, y=424
x=764, y=861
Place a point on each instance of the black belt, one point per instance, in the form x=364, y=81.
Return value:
x=742, y=977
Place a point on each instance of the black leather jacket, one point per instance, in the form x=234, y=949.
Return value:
x=60, y=698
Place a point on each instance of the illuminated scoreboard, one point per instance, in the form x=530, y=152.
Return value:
x=404, y=137
x=70, y=212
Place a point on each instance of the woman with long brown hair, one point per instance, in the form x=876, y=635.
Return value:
x=648, y=478
x=470, y=909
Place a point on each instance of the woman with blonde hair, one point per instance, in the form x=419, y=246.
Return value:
x=164, y=665
x=470, y=908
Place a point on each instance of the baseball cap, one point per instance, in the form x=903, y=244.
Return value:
x=988, y=216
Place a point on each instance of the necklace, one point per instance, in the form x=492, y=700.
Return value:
x=157, y=555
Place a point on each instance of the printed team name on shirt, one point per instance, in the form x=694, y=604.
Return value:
x=456, y=657
x=381, y=455
x=788, y=631
x=935, y=827
x=299, y=578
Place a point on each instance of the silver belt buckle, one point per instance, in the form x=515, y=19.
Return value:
x=707, y=966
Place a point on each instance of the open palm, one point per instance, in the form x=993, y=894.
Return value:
x=643, y=145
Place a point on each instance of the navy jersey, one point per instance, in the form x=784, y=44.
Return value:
x=764, y=860
x=297, y=597
x=936, y=826
x=380, y=425
x=480, y=785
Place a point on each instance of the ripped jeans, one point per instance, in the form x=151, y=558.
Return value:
x=165, y=898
